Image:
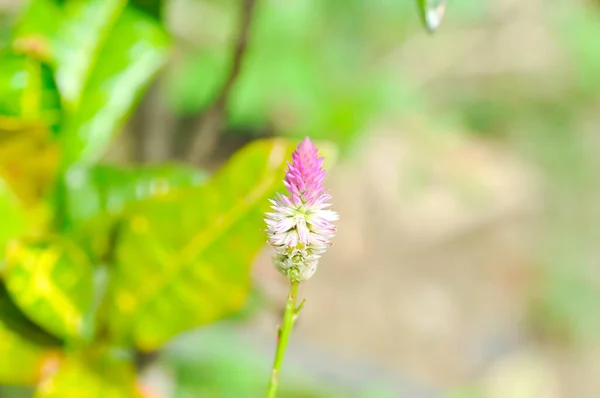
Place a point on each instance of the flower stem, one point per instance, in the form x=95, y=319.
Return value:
x=290, y=316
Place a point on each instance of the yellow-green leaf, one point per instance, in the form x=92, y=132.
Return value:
x=13, y=319
x=184, y=261
x=78, y=377
x=22, y=361
x=12, y=215
x=91, y=201
x=105, y=191
x=28, y=162
x=51, y=281
x=29, y=108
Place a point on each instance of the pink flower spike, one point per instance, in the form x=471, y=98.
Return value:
x=299, y=228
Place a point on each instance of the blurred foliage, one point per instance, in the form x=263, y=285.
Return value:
x=217, y=362
x=292, y=77
x=91, y=376
x=16, y=321
x=106, y=190
x=51, y=281
x=578, y=24
x=159, y=268
x=309, y=69
x=153, y=8
x=100, y=262
x=102, y=55
x=14, y=219
x=26, y=358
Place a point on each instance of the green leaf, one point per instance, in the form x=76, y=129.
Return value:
x=184, y=261
x=87, y=193
x=27, y=167
x=154, y=8
x=16, y=321
x=134, y=51
x=91, y=201
x=70, y=36
x=15, y=77
x=28, y=161
x=51, y=281
x=38, y=23
x=22, y=361
x=76, y=47
x=103, y=54
x=27, y=91
x=14, y=218
x=39, y=18
x=90, y=377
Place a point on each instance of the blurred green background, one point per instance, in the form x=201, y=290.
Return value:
x=140, y=140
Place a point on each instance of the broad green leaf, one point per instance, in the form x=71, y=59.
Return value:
x=22, y=362
x=134, y=51
x=76, y=48
x=28, y=161
x=91, y=201
x=73, y=33
x=184, y=261
x=29, y=111
x=27, y=167
x=39, y=18
x=38, y=24
x=103, y=190
x=13, y=216
x=27, y=92
x=15, y=77
x=17, y=322
x=153, y=8
x=90, y=377
x=104, y=54
x=51, y=281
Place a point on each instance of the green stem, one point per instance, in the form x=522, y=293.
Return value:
x=291, y=313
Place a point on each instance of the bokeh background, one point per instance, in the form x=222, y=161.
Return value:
x=467, y=261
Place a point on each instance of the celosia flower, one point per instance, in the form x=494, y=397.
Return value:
x=300, y=227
